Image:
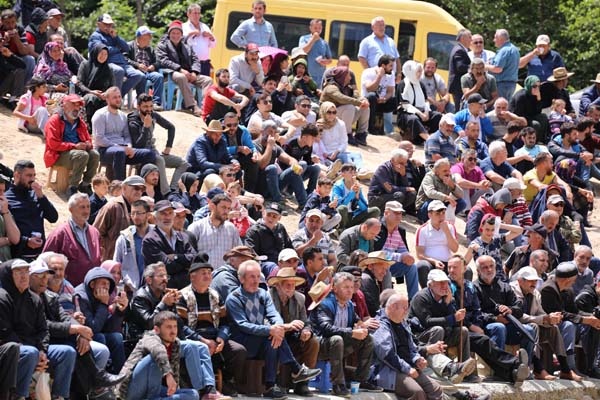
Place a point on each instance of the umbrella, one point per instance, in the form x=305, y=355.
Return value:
x=511, y=318
x=264, y=51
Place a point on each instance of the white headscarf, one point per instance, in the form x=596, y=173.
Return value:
x=413, y=93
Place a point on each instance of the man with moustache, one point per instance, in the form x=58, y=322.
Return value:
x=241, y=148
x=479, y=81
x=246, y=71
x=219, y=98
x=378, y=86
x=530, y=147
x=141, y=56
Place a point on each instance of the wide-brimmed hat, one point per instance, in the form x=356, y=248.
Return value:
x=375, y=257
x=285, y=274
x=597, y=80
x=215, y=126
x=243, y=251
x=318, y=293
x=560, y=73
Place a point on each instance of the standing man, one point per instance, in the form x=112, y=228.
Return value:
x=199, y=36
x=459, y=65
x=141, y=123
x=141, y=56
x=318, y=53
x=478, y=49
x=112, y=139
x=542, y=60
x=255, y=30
x=505, y=65
x=68, y=144
x=29, y=207
x=106, y=35
x=376, y=45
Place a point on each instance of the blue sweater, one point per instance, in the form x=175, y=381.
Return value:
x=116, y=46
x=204, y=154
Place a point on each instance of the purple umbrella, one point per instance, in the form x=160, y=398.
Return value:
x=264, y=51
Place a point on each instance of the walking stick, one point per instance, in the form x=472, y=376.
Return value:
x=460, y=339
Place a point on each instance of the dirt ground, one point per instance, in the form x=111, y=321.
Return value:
x=16, y=145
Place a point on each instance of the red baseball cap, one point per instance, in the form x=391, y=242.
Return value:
x=72, y=98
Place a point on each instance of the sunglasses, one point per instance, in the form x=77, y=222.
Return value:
x=472, y=159
x=478, y=42
x=305, y=105
x=231, y=125
x=229, y=175
x=332, y=112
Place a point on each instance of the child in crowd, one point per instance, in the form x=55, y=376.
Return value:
x=351, y=203
x=558, y=115
x=239, y=214
x=302, y=83
x=31, y=108
x=114, y=188
x=98, y=199
x=321, y=200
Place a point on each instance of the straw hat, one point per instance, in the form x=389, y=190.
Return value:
x=285, y=274
x=318, y=293
x=375, y=257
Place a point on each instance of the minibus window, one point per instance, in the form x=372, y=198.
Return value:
x=406, y=40
x=287, y=29
x=439, y=46
x=346, y=36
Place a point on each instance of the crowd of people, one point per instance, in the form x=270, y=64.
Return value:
x=167, y=284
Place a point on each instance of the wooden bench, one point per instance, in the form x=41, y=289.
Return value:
x=254, y=385
x=58, y=178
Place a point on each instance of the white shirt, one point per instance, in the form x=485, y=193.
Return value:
x=435, y=241
x=369, y=75
x=200, y=44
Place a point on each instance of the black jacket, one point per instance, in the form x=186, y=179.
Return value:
x=501, y=293
x=8, y=64
x=168, y=56
x=22, y=317
x=525, y=105
x=587, y=299
x=144, y=307
x=383, y=234
x=371, y=288
x=425, y=312
x=267, y=242
x=134, y=49
x=459, y=65
x=554, y=300
x=58, y=320
x=156, y=247
x=143, y=138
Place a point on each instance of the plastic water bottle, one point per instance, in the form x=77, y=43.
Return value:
x=72, y=83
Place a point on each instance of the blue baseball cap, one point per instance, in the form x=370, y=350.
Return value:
x=143, y=30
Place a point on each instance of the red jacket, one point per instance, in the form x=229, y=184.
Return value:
x=63, y=241
x=54, y=130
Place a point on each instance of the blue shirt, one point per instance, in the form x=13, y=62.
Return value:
x=440, y=144
x=372, y=48
x=480, y=147
x=508, y=59
x=80, y=235
x=70, y=134
x=543, y=67
x=504, y=170
x=139, y=258
x=251, y=32
x=319, y=48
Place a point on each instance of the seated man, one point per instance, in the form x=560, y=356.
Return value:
x=545, y=325
x=152, y=299
x=496, y=168
x=313, y=235
x=12, y=68
x=301, y=116
x=268, y=236
x=290, y=304
x=175, y=54
x=470, y=178
x=264, y=112
x=301, y=149
x=534, y=254
x=588, y=300
x=436, y=90
x=14, y=40
x=378, y=86
x=106, y=35
x=441, y=144
x=209, y=152
x=440, y=185
x=141, y=56
x=156, y=357
x=103, y=315
x=141, y=124
x=246, y=71
x=390, y=182
x=475, y=111
x=567, y=146
x=480, y=82
x=342, y=333
x=112, y=139
x=225, y=278
x=249, y=306
x=375, y=278
x=392, y=240
x=471, y=141
x=500, y=117
x=69, y=145
x=530, y=148
x=220, y=99
x=358, y=237
x=241, y=148
x=541, y=176
x=398, y=364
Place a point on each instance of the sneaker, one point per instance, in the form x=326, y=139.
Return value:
x=364, y=175
x=458, y=371
x=519, y=374
x=333, y=170
x=157, y=107
x=305, y=374
x=274, y=393
x=341, y=390
x=369, y=387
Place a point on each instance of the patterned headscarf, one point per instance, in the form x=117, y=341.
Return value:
x=51, y=70
x=566, y=169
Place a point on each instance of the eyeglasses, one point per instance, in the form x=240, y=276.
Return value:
x=305, y=105
x=267, y=101
x=233, y=125
x=138, y=188
x=561, y=204
x=472, y=159
x=478, y=42
x=332, y=112
x=229, y=175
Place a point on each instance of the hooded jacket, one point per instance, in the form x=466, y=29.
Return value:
x=97, y=315
x=225, y=280
x=486, y=204
x=22, y=317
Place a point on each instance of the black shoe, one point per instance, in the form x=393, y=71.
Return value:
x=274, y=393
x=458, y=371
x=305, y=374
x=361, y=138
x=351, y=140
x=341, y=391
x=466, y=395
x=104, y=379
x=302, y=389
x=369, y=387
x=229, y=389
x=593, y=373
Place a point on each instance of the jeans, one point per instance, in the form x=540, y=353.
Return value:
x=61, y=358
x=422, y=213
x=101, y=354
x=198, y=363
x=28, y=359
x=310, y=172
x=348, y=157
x=114, y=342
x=568, y=331
x=279, y=181
x=506, y=89
x=29, y=67
x=164, y=161
x=134, y=76
x=115, y=156
x=157, y=86
x=146, y=383
x=502, y=334
x=409, y=272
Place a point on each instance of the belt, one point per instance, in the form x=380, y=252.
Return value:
x=204, y=61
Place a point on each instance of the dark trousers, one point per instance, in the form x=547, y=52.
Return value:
x=273, y=357
x=334, y=349
x=420, y=388
x=376, y=107
x=500, y=361
x=407, y=199
x=115, y=156
x=232, y=359
x=9, y=360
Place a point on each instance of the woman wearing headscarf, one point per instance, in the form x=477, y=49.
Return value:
x=94, y=77
x=487, y=204
x=350, y=107
x=527, y=103
x=334, y=138
x=53, y=69
x=415, y=116
x=188, y=194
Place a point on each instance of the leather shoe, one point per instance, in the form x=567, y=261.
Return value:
x=302, y=389
x=104, y=379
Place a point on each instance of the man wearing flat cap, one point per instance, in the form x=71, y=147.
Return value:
x=205, y=320
x=290, y=304
x=225, y=278
x=558, y=296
